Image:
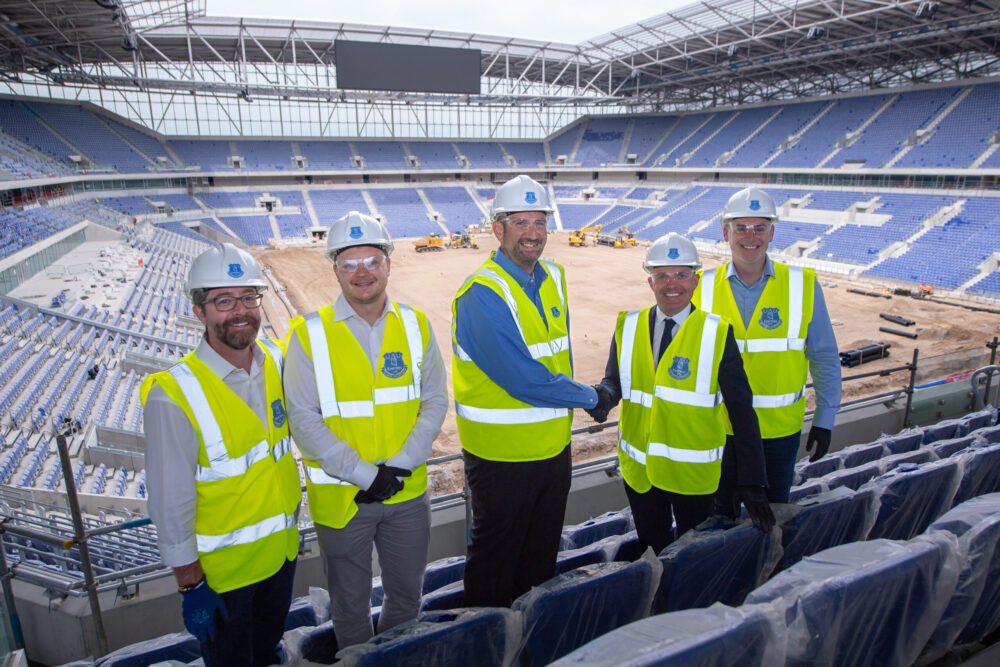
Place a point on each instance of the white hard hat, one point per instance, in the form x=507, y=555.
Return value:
x=224, y=265
x=671, y=250
x=750, y=203
x=356, y=229
x=521, y=193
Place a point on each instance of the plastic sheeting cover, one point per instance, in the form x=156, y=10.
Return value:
x=857, y=455
x=178, y=646
x=719, y=636
x=981, y=472
x=481, y=637
x=865, y=603
x=573, y=608
x=826, y=520
x=911, y=497
x=853, y=478
x=905, y=441
x=588, y=532
x=720, y=561
x=945, y=448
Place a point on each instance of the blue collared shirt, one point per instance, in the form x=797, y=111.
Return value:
x=821, y=351
x=487, y=332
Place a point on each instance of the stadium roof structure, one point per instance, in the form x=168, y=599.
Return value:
x=710, y=53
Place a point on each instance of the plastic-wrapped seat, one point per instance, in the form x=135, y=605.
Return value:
x=720, y=636
x=989, y=434
x=443, y=572
x=977, y=420
x=915, y=456
x=857, y=455
x=943, y=430
x=449, y=596
x=974, y=610
x=822, y=521
x=807, y=470
x=945, y=448
x=852, y=478
x=592, y=530
x=911, y=497
x=571, y=609
x=720, y=561
x=808, y=488
x=981, y=473
x=179, y=646
x=488, y=636
x=904, y=441
x=864, y=603
x=319, y=644
x=570, y=559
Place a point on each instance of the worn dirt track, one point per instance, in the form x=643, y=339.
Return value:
x=601, y=282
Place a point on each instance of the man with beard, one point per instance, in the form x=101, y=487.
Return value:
x=366, y=397
x=514, y=398
x=223, y=486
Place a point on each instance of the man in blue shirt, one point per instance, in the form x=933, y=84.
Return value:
x=775, y=304
x=514, y=394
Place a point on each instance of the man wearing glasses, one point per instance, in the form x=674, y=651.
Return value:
x=672, y=366
x=223, y=486
x=514, y=394
x=784, y=333
x=366, y=398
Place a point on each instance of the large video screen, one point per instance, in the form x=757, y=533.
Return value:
x=401, y=67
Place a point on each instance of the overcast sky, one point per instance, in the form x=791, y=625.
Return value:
x=557, y=21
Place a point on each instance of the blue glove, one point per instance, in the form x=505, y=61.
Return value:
x=199, y=606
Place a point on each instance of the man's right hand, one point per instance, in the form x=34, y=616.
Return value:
x=199, y=607
x=599, y=412
x=386, y=485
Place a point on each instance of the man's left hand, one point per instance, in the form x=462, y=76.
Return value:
x=820, y=437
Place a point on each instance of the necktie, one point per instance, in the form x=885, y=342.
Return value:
x=668, y=335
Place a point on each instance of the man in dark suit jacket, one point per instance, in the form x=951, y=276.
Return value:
x=682, y=406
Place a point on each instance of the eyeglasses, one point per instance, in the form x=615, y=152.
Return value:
x=226, y=303
x=351, y=265
x=663, y=276
x=521, y=224
x=758, y=229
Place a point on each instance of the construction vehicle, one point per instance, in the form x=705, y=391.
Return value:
x=926, y=289
x=462, y=240
x=579, y=238
x=627, y=238
x=619, y=240
x=477, y=229
x=428, y=243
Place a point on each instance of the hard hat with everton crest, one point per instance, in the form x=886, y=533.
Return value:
x=521, y=193
x=356, y=229
x=671, y=250
x=750, y=203
x=224, y=265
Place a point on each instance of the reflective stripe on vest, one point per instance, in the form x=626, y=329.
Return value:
x=510, y=415
x=778, y=401
x=685, y=455
x=796, y=287
x=701, y=397
x=275, y=352
x=320, y=476
x=636, y=455
x=538, y=350
x=220, y=465
x=323, y=371
x=248, y=534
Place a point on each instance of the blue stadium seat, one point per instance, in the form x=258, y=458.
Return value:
x=864, y=603
x=943, y=430
x=814, y=469
x=319, y=644
x=571, y=609
x=945, y=448
x=825, y=520
x=911, y=497
x=300, y=613
x=450, y=596
x=464, y=637
x=442, y=572
x=178, y=646
x=809, y=488
x=612, y=523
x=853, y=478
x=981, y=474
x=857, y=455
x=974, y=609
x=570, y=559
x=719, y=636
x=988, y=434
x=904, y=441
x=977, y=420
x=917, y=456
x=718, y=562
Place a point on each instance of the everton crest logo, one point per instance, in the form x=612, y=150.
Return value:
x=679, y=369
x=673, y=253
x=754, y=205
x=555, y=311
x=530, y=198
x=235, y=271
x=769, y=319
x=393, y=366
x=278, y=413
x=355, y=233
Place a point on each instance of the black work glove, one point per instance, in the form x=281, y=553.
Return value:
x=821, y=438
x=386, y=485
x=599, y=413
x=754, y=498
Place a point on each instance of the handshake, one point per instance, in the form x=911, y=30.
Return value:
x=599, y=413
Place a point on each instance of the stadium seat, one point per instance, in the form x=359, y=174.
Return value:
x=977, y=420
x=911, y=497
x=864, y=603
x=319, y=644
x=718, y=562
x=464, y=637
x=612, y=523
x=178, y=646
x=981, y=465
x=943, y=430
x=852, y=478
x=822, y=521
x=945, y=448
x=904, y=441
x=989, y=434
x=573, y=608
x=450, y=596
x=857, y=455
x=974, y=609
x=719, y=636
x=813, y=469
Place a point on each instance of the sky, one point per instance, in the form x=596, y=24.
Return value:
x=558, y=21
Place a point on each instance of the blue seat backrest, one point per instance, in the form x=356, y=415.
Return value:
x=982, y=472
x=826, y=520
x=911, y=497
x=178, y=646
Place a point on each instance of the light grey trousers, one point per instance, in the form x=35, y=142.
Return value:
x=400, y=533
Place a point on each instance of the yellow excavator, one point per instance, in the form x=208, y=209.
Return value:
x=462, y=240
x=578, y=238
x=429, y=243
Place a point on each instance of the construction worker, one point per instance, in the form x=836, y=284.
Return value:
x=367, y=396
x=223, y=487
x=782, y=327
x=674, y=365
x=514, y=394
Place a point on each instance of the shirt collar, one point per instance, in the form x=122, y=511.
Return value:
x=218, y=365
x=678, y=318
x=343, y=310
x=517, y=273
x=768, y=271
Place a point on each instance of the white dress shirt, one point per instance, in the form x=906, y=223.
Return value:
x=661, y=320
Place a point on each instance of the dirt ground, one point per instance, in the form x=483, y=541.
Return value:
x=601, y=282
